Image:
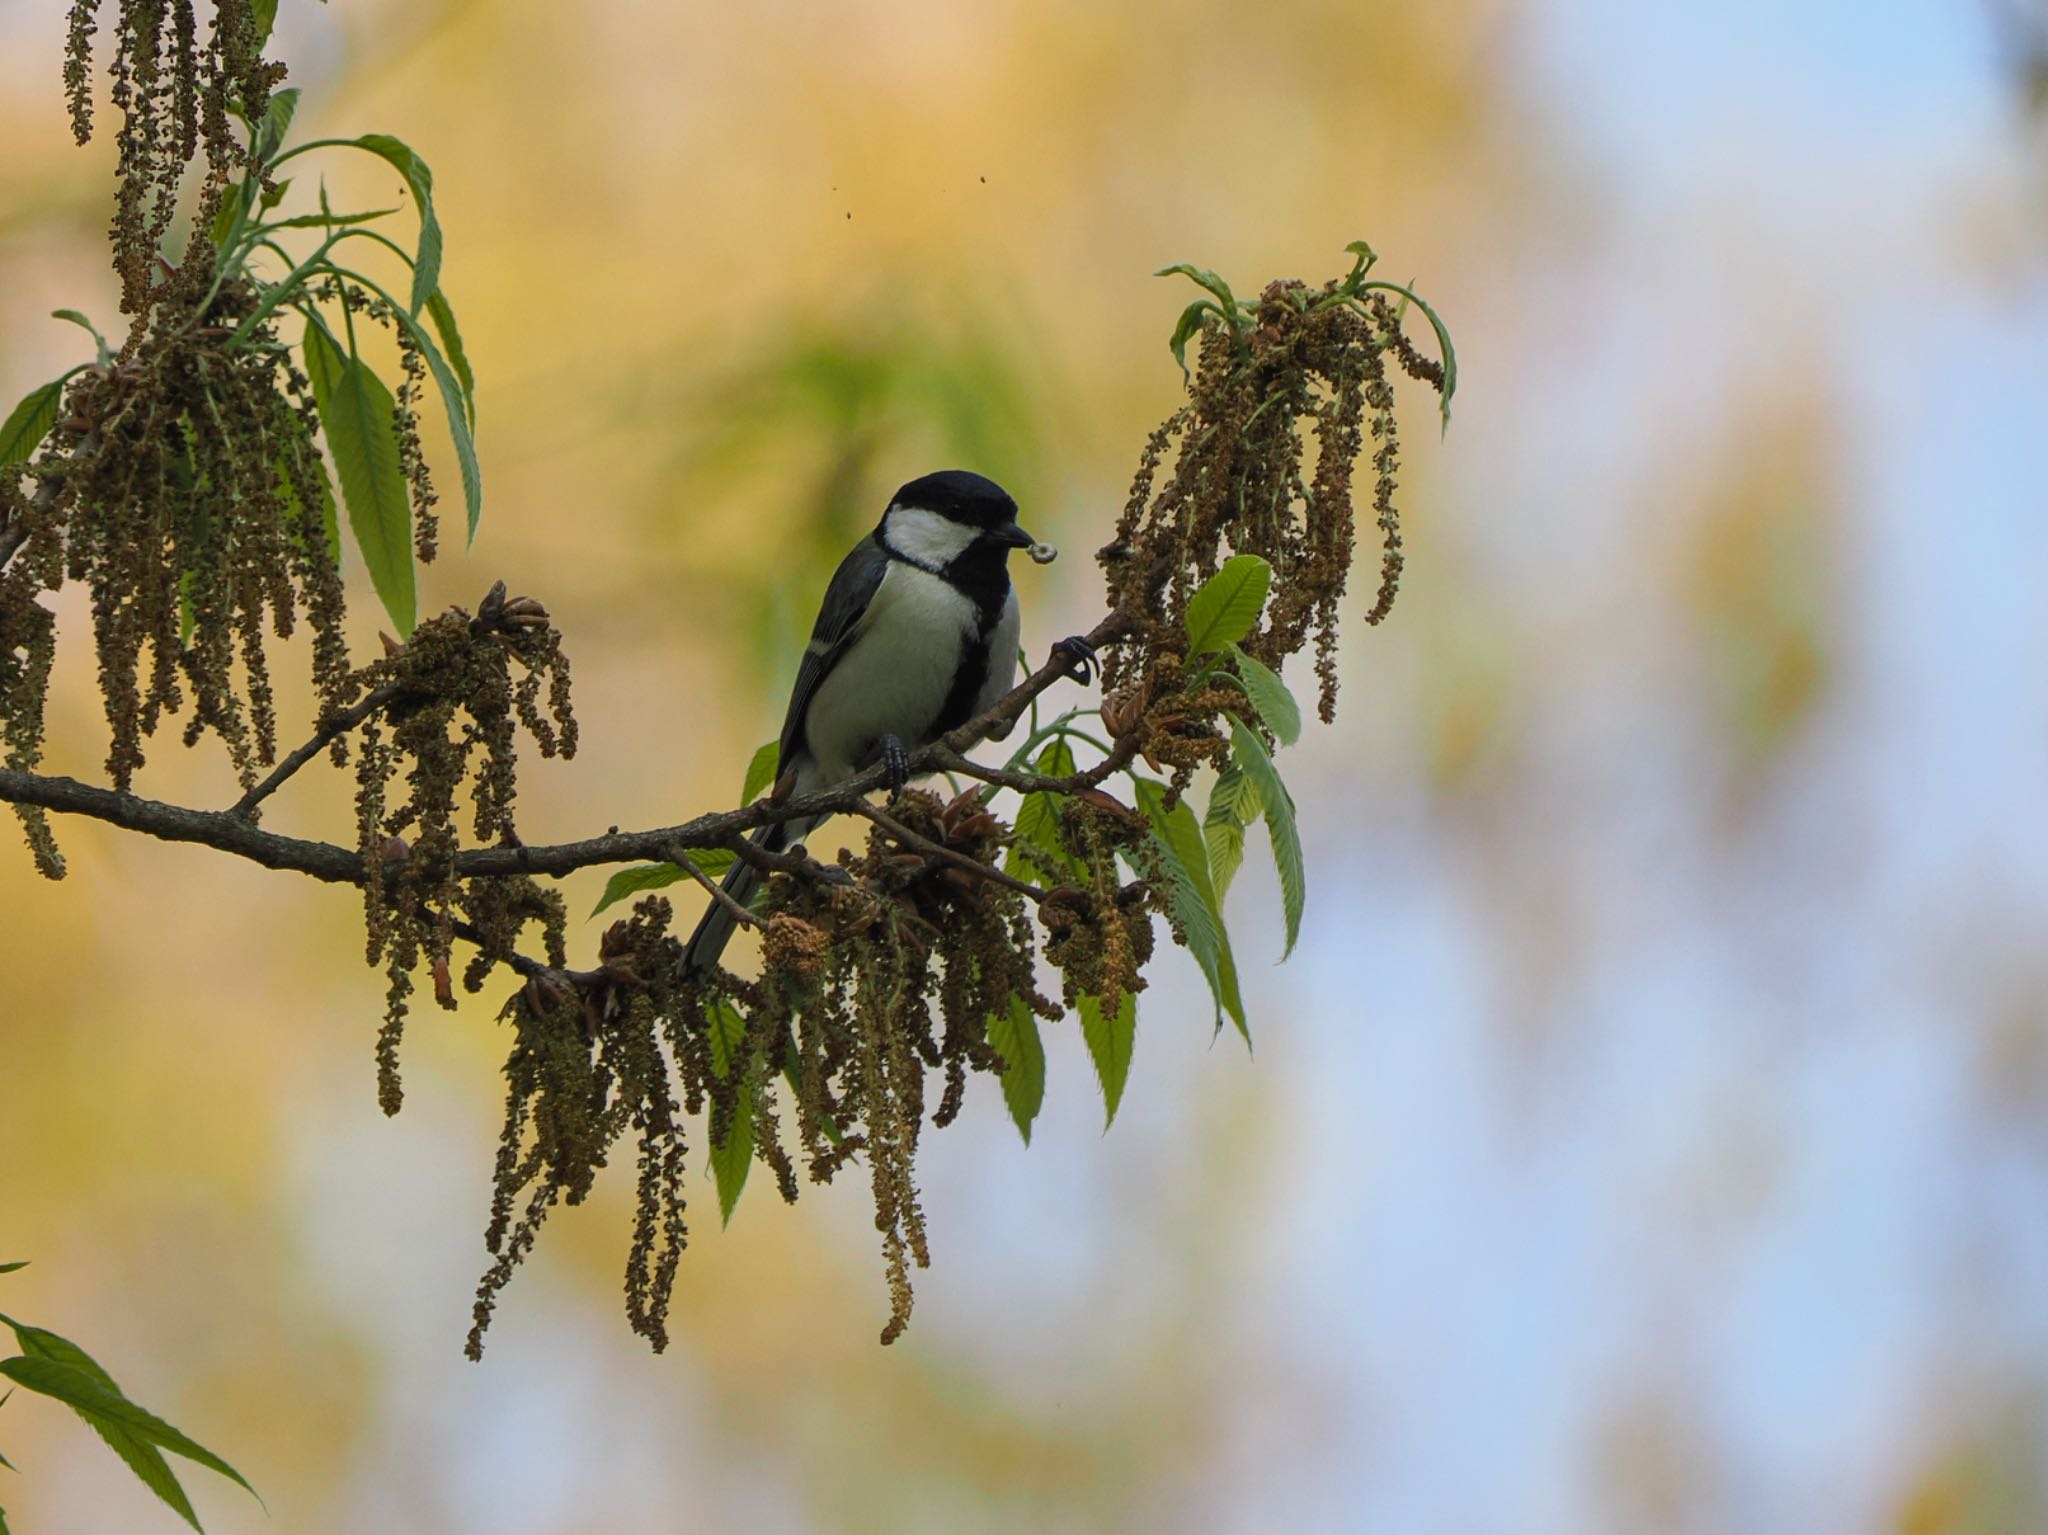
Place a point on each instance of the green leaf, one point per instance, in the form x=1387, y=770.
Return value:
x=456, y=402
x=1110, y=1035
x=1443, y=341
x=1039, y=849
x=1207, y=279
x=443, y=316
x=56, y=1367
x=426, y=270
x=323, y=220
x=1250, y=754
x=1270, y=697
x=131, y=1432
x=453, y=402
x=1057, y=760
x=357, y=410
x=1233, y=805
x=224, y=217
x=731, y=1158
x=643, y=877
x=288, y=493
x=8, y=1268
x=1015, y=1037
x=1197, y=910
x=29, y=423
x=1189, y=326
x=1224, y=607
x=265, y=13
x=277, y=120
x=761, y=772
x=104, y=353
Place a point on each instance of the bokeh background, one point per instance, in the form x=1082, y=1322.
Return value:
x=1650, y=1132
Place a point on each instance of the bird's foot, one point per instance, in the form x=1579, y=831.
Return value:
x=895, y=764
x=1083, y=665
x=824, y=873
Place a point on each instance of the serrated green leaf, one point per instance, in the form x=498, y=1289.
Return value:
x=643, y=877
x=129, y=1431
x=454, y=403
x=1207, y=279
x=426, y=270
x=1224, y=607
x=1250, y=753
x=224, y=217
x=29, y=423
x=443, y=316
x=1196, y=908
x=104, y=354
x=277, y=121
x=1185, y=330
x=132, y=1432
x=1270, y=697
x=730, y=1159
x=323, y=220
x=1057, y=760
x=761, y=771
x=1039, y=851
x=1110, y=1036
x=1014, y=1034
x=356, y=411
x=1443, y=341
x=1233, y=805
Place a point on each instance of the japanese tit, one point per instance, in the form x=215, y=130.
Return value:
x=917, y=635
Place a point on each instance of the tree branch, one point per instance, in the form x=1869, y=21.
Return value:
x=229, y=832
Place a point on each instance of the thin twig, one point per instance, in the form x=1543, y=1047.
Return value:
x=1120, y=757
x=338, y=723
x=938, y=850
x=680, y=857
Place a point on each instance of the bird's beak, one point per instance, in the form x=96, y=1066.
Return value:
x=1012, y=536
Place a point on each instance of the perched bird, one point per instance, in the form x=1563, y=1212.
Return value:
x=917, y=636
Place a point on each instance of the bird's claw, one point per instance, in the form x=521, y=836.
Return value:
x=1083, y=665
x=895, y=764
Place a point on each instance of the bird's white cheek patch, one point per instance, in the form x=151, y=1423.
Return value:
x=927, y=537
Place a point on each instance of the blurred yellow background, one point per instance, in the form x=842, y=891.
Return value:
x=1651, y=1130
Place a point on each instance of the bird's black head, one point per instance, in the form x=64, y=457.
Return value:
x=942, y=517
x=960, y=496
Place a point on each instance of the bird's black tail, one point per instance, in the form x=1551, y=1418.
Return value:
x=740, y=882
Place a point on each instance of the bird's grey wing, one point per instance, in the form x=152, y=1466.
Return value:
x=846, y=603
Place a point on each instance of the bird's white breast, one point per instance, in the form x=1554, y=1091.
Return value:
x=894, y=678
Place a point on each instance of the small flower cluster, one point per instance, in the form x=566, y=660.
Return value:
x=451, y=702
